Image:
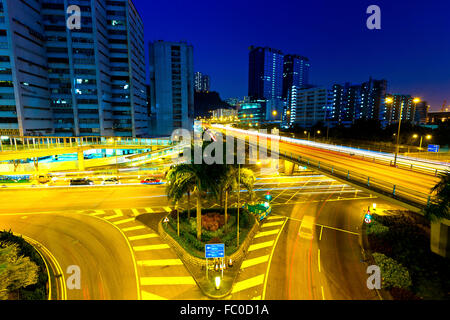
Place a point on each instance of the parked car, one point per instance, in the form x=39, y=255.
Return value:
x=151, y=181
x=112, y=180
x=81, y=182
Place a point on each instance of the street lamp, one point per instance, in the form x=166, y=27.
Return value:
x=428, y=137
x=274, y=113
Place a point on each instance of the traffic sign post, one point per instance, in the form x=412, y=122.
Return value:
x=214, y=251
x=433, y=148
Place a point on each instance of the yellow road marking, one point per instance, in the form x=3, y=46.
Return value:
x=149, y=210
x=323, y=295
x=164, y=281
x=272, y=224
x=167, y=209
x=274, y=217
x=257, y=246
x=162, y=262
x=135, y=211
x=257, y=298
x=124, y=221
x=133, y=228
x=267, y=233
x=255, y=261
x=97, y=212
x=151, y=247
x=249, y=283
x=318, y=259
x=150, y=296
x=144, y=236
x=321, y=229
x=270, y=261
x=118, y=213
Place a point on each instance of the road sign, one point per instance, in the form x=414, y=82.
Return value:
x=367, y=220
x=433, y=148
x=166, y=219
x=215, y=250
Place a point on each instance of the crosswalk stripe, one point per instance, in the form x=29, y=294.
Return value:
x=161, y=262
x=135, y=212
x=256, y=298
x=167, y=209
x=150, y=296
x=97, y=212
x=254, y=261
x=260, y=245
x=249, y=283
x=164, y=281
x=274, y=218
x=149, y=210
x=124, y=221
x=272, y=224
x=118, y=213
x=267, y=233
x=151, y=247
x=133, y=228
x=144, y=236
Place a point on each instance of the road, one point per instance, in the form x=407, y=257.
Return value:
x=95, y=227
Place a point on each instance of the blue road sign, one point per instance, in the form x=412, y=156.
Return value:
x=215, y=250
x=433, y=148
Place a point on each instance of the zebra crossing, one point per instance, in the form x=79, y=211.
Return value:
x=252, y=276
x=158, y=267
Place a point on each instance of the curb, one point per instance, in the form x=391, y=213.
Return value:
x=191, y=261
x=368, y=259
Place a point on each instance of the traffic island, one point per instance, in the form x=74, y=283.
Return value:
x=208, y=272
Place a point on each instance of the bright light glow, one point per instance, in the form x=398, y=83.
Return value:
x=274, y=112
x=217, y=281
x=415, y=136
x=266, y=204
x=416, y=100
x=428, y=137
x=374, y=205
x=389, y=100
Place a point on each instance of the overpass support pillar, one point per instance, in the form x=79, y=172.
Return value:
x=80, y=159
x=289, y=167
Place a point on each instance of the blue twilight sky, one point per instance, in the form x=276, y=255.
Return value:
x=411, y=51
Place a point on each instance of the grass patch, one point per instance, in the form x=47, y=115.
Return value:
x=188, y=231
x=404, y=238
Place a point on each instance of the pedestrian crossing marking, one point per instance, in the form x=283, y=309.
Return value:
x=124, y=221
x=135, y=212
x=249, y=283
x=144, y=236
x=167, y=209
x=151, y=247
x=118, y=213
x=254, y=261
x=256, y=298
x=274, y=218
x=150, y=296
x=267, y=233
x=98, y=212
x=257, y=246
x=133, y=228
x=161, y=262
x=272, y=224
x=149, y=210
x=164, y=281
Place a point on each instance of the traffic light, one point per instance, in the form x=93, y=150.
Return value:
x=268, y=196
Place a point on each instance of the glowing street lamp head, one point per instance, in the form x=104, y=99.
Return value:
x=416, y=100
x=429, y=136
x=274, y=113
x=389, y=100
x=415, y=136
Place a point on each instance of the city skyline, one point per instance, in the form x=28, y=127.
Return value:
x=221, y=50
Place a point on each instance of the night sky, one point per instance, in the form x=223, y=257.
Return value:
x=411, y=51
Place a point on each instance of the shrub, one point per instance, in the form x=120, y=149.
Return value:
x=376, y=228
x=393, y=273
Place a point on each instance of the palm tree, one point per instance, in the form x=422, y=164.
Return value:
x=439, y=208
x=199, y=179
x=229, y=183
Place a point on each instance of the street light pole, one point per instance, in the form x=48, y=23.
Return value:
x=239, y=200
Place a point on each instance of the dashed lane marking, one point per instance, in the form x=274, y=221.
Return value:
x=262, y=245
x=162, y=262
x=151, y=247
x=165, y=281
x=249, y=283
x=144, y=236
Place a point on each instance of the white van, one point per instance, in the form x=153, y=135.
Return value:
x=306, y=230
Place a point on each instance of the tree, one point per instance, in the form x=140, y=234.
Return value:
x=229, y=183
x=439, y=208
x=15, y=271
x=200, y=179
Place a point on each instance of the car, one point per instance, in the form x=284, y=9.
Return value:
x=81, y=182
x=306, y=230
x=44, y=179
x=112, y=180
x=151, y=181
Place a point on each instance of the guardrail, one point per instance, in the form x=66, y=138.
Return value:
x=33, y=143
x=411, y=197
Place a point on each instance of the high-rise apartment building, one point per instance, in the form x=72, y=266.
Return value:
x=295, y=72
x=265, y=80
x=171, y=86
x=86, y=81
x=201, y=82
